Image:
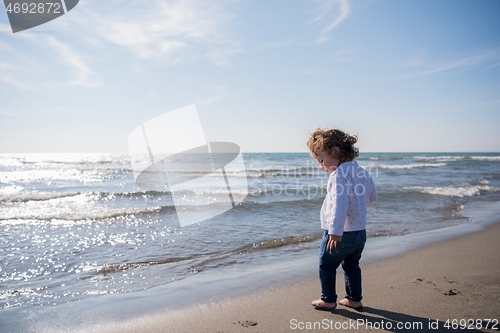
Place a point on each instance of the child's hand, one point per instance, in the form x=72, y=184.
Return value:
x=335, y=242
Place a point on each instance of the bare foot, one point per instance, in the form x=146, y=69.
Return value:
x=322, y=305
x=351, y=304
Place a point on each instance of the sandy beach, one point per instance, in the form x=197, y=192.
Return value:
x=437, y=288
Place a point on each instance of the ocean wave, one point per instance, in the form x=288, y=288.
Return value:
x=434, y=157
x=11, y=189
x=193, y=171
x=453, y=158
x=75, y=208
x=198, y=261
x=16, y=193
x=20, y=204
x=397, y=157
x=145, y=193
x=10, y=161
x=285, y=169
x=87, y=176
x=257, y=206
x=310, y=190
x=486, y=158
x=405, y=166
x=439, y=158
x=62, y=158
x=263, y=172
x=465, y=190
x=364, y=158
x=274, y=171
x=198, y=192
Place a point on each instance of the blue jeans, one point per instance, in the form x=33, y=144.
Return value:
x=348, y=256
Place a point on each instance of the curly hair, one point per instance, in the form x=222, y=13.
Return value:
x=322, y=140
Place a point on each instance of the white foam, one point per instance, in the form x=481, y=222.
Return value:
x=85, y=176
x=436, y=157
x=10, y=161
x=10, y=190
x=447, y=158
x=16, y=193
x=405, y=166
x=486, y=158
x=83, y=206
x=70, y=158
x=465, y=190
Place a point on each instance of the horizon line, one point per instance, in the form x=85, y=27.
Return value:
x=285, y=152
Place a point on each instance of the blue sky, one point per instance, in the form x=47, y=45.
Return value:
x=403, y=75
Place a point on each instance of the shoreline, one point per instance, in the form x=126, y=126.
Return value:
x=209, y=290
x=425, y=288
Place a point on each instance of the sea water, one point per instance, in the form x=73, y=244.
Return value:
x=76, y=226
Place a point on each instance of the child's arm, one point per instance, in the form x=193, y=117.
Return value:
x=373, y=194
x=339, y=203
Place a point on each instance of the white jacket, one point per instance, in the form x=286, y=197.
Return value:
x=350, y=190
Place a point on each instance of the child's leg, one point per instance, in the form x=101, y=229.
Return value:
x=352, y=271
x=327, y=272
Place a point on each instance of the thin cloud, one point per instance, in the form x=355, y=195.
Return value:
x=220, y=55
x=24, y=70
x=466, y=62
x=84, y=75
x=163, y=30
x=13, y=82
x=332, y=13
x=459, y=64
x=8, y=71
x=221, y=93
x=4, y=28
x=5, y=67
x=7, y=113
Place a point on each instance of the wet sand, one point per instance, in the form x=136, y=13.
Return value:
x=455, y=282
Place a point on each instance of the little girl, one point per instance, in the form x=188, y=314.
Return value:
x=343, y=215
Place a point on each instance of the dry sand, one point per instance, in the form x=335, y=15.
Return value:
x=454, y=280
